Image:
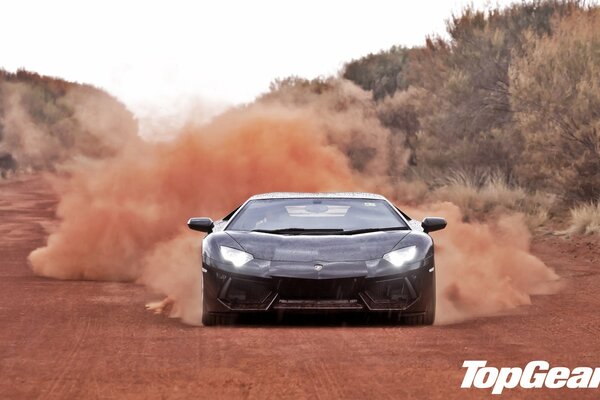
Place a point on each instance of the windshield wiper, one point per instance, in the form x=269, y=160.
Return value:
x=300, y=231
x=367, y=230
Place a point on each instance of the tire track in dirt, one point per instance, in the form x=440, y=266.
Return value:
x=70, y=361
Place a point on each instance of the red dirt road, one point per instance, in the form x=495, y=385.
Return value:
x=80, y=340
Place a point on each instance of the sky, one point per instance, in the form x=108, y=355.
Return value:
x=161, y=56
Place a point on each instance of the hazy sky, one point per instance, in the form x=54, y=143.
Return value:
x=154, y=54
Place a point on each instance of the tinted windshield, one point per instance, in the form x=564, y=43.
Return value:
x=316, y=214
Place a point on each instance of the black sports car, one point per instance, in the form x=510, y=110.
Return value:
x=318, y=252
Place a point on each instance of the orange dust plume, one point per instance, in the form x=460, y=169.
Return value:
x=123, y=218
x=484, y=269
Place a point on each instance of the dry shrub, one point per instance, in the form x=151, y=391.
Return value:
x=399, y=114
x=46, y=122
x=555, y=92
x=479, y=195
x=585, y=219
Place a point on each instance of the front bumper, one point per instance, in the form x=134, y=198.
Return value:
x=409, y=292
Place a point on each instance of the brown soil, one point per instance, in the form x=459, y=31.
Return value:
x=73, y=339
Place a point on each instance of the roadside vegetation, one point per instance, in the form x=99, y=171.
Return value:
x=47, y=121
x=585, y=219
x=504, y=114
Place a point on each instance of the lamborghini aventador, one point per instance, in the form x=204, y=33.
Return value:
x=318, y=252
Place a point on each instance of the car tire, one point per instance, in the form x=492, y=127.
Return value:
x=214, y=319
x=427, y=318
x=210, y=319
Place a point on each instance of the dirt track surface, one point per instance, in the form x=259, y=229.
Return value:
x=69, y=339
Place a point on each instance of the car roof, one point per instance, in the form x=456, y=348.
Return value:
x=329, y=195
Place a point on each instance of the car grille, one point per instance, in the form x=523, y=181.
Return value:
x=319, y=294
x=352, y=304
x=318, y=289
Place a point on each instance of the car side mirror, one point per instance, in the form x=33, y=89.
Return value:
x=432, y=224
x=201, y=224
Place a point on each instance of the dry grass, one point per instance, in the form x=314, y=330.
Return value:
x=585, y=219
x=477, y=196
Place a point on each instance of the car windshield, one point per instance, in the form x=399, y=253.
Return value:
x=317, y=215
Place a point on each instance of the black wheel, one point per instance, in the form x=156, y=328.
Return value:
x=212, y=319
x=426, y=318
x=429, y=316
x=208, y=319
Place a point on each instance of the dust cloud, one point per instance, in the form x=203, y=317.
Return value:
x=484, y=269
x=123, y=218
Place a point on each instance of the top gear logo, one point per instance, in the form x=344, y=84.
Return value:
x=536, y=374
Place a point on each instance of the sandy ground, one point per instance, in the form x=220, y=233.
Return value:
x=69, y=339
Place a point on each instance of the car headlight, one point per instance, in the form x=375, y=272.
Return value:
x=402, y=256
x=234, y=256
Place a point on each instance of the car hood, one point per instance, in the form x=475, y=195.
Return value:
x=324, y=248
